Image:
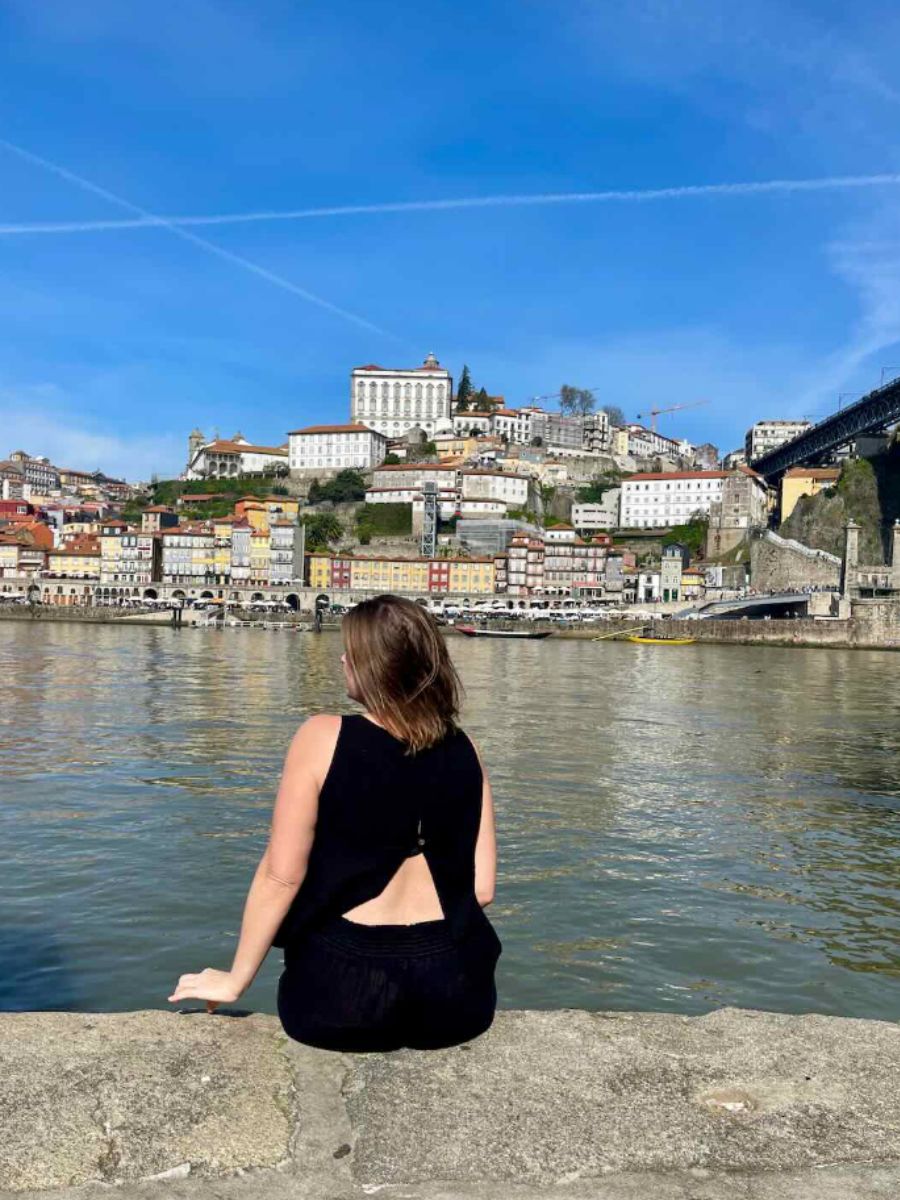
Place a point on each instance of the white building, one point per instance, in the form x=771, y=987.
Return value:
x=640, y=442
x=658, y=500
x=39, y=473
x=335, y=448
x=487, y=484
x=286, y=546
x=391, y=400
x=602, y=514
x=236, y=456
x=769, y=435
x=515, y=423
x=468, y=422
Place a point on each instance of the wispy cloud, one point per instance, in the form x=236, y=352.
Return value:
x=39, y=418
x=148, y=218
x=613, y=196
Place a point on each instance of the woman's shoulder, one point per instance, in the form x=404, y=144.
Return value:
x=319, y=730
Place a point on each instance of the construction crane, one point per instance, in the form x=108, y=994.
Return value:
x=656, y=412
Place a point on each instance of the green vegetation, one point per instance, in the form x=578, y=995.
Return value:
x=384, y=520
x=391, y=460
x=346, y=485
x=868, y=492
x=464, y=391
x=167, y=491
x=321, y=530
x=692, y=534
x=592, y=493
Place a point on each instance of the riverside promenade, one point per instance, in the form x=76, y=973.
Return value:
x=733, y=1105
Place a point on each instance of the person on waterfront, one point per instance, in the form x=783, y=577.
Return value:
x=381, y=858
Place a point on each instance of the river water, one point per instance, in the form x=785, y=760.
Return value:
x=678, y=828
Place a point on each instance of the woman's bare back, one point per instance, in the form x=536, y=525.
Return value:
x=410, y=897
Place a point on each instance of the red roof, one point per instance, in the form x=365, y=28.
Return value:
x=356, y=428
x=676, y=475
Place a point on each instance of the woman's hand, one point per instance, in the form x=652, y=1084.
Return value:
x=215, y=987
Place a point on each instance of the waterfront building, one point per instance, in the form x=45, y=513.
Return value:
x=743, y=506
x=673, y=564
x=600, y=514
x=769, y=435
x=319, y=448
x=286, y=545
x=241, y=533
x=112, y=531
x=222, y=459
x=222, y=529
x=804, y=481
x=392, y=399
x=417, y=576
x=78, y=558
x=660, y=499
x=38, y=473
x=139, y=559
x=260, y=556
x=188, y=556
x=734, y=459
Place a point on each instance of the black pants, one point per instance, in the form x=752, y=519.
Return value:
x=354, y=987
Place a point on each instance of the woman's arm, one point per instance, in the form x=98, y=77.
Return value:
x=486, y=844
x=281, y=869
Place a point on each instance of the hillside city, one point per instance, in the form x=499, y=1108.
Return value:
x=428, y=490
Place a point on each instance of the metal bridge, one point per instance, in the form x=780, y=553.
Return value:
x=871, y=414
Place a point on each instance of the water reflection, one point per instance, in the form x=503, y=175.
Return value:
x=677, y=829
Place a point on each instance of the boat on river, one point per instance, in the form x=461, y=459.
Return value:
x=657, y=641
x=532, y=634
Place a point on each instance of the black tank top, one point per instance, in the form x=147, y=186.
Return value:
x=377, y=806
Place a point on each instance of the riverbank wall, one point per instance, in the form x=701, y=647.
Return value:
x=737, y=1104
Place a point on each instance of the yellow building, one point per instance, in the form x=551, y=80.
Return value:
x=222, y=527
x=111, y=533
x=320, y=570
x=389, y=574
x=451, y=446
x=260, y=553
x=804, y=481
x=78, y=560
x=472, y=575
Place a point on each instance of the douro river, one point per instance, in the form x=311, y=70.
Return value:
x=678, y=828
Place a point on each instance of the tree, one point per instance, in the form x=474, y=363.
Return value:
x=615, y=414
x=390, y=460
x=464, y=391
x=482, y=402
x=537, y=441
x=321, y=530
x=575, y=402
x=548, y=495
x=346, y=485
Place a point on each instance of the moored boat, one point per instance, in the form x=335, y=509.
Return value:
x=532, y=634
x=656, y=641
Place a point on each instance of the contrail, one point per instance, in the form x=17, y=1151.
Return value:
x=146, y=218
x=630, y=196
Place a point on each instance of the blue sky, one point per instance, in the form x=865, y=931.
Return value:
x=115, y=342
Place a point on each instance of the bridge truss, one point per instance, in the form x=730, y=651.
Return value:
x=872, y=413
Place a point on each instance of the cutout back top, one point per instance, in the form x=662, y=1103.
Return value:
x=379, y=805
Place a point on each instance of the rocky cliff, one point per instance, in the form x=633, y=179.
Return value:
x=868, y=491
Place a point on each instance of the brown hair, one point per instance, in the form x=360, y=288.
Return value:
x=402, y=668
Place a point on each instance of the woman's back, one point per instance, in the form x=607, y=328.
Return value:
x=396, y=833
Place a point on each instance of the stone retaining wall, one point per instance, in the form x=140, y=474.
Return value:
x=736, y=1104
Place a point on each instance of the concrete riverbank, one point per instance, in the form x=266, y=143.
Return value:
x=735, y=1104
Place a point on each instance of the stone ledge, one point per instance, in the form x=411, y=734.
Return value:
x=739, y=1103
